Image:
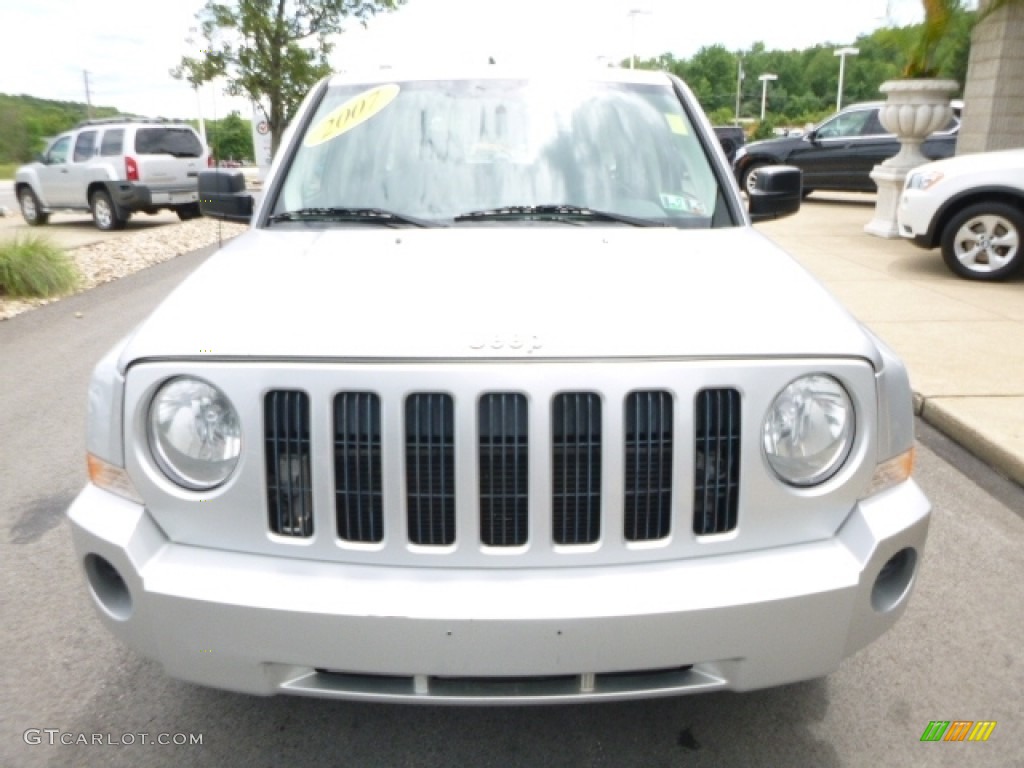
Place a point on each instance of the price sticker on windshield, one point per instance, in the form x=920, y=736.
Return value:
x=676, y=124
x=353, y=112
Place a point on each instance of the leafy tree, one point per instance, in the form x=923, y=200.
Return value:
x=26, y=121
x=808, y=80
x=272, y=51
x=230, y=138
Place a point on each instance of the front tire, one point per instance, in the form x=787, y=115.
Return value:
x=749, y=177
x=984, y=241
x=31, y=210
x=105, y=214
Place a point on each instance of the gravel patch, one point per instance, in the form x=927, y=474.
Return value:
x=102, y=262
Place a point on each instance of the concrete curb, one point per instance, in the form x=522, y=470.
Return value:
x=1004, y=461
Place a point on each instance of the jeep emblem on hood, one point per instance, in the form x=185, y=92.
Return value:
x=514, y=342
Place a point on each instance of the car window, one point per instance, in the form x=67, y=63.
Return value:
x=442, y=149
x=85, y=146
x=845, y=124
x=179, y=142
x=112, y=143
x=58, y=152
x=873, y=126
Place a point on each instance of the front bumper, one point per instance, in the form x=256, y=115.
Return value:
x=266, y=625
x=916, y=218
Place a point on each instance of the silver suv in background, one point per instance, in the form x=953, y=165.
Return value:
x=115, y=167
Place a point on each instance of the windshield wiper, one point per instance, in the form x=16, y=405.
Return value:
x=572, y=213
x=377, y=215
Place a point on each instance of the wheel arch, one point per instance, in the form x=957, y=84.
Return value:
x=949, y=209
x=98, y=184
x=20, y=184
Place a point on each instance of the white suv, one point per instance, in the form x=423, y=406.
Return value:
x=972, y=207
x=113, y=168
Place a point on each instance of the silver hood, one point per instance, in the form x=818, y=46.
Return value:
x=535, y=292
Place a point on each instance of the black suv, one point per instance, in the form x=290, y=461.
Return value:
x=840, y=152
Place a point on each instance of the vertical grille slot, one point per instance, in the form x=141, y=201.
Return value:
x=504, y=470
x=430, y=468
x=287, y=452
x=358, y=498
x=717, y=463
x=648, y=470
x=576, y=470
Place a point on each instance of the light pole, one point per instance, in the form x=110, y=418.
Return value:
x=842, y=53
x=739, y=85
x=633, y=13
x=765, y=78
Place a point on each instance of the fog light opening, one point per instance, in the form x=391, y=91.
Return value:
x=894, y=580
x=108, y=587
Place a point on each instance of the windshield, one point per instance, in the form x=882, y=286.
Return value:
x=471, y=151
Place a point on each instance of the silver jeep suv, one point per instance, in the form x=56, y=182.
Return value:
x=113, y=168
x=515, y=406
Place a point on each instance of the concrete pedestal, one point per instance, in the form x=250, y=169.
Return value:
x=890, y=182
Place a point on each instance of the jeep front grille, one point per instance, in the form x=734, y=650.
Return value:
x=504, y=470
x=648, y=475
x=358, y=497
x=430, y=468
x=287, y=451
x=576, y=439
x=717, y=467
x=576, y=470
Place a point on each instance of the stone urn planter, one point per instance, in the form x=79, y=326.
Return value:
x=914, y=109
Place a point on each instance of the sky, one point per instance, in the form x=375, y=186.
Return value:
x=128, y=46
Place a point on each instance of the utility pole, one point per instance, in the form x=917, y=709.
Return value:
x=88, y=96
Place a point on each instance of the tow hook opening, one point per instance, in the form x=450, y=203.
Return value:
x=894, y=580
x=108, y=587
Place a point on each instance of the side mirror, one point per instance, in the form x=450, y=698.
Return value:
x=222, y=195
x=41, y=158
x=811, y=136
x=778, y=191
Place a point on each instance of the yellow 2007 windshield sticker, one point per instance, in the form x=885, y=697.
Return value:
x=353, y=112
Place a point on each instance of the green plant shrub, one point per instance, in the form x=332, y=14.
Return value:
x=33, y=266
x=765, y=130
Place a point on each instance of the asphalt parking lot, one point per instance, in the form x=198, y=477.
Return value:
x=954, y=655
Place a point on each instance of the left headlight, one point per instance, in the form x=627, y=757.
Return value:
x=809, y=430
x=925, y=180
x=194, y=433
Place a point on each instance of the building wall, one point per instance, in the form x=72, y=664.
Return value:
x=994, y=94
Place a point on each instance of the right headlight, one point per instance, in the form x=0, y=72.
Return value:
x=194, y=433
x=808, y=431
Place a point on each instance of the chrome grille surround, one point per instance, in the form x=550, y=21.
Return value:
x=234, y=516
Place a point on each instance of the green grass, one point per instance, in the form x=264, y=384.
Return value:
x=7, y=170
x=32, y=266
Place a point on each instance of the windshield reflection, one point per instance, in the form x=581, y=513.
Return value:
x=438, y=150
